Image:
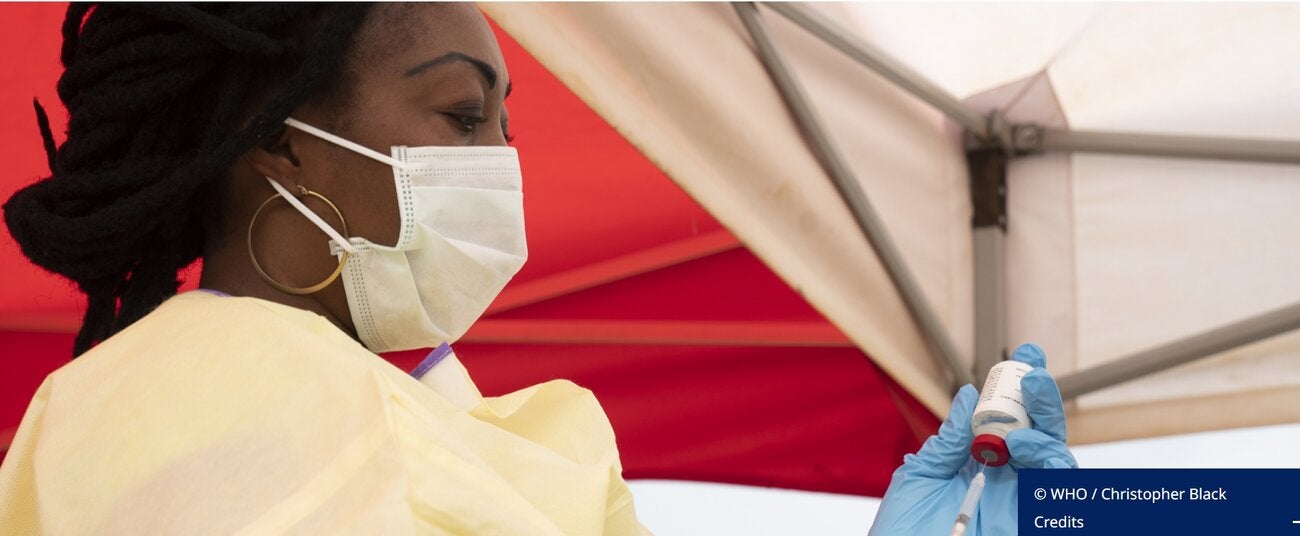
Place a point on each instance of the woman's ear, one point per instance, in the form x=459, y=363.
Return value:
x=277, y=157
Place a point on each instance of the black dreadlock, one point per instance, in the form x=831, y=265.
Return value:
x=155, y=94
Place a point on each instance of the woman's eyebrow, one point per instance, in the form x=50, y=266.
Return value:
x=489, y=73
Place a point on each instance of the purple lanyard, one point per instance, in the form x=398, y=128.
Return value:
x=436, y=356
x=213, y=292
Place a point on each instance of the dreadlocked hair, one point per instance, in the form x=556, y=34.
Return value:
x=156, y=97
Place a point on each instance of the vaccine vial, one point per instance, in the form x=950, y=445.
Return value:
x=1000, y=410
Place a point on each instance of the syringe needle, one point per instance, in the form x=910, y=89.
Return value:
x=967, y=510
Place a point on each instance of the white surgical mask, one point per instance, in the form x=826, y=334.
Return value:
x=461, y=240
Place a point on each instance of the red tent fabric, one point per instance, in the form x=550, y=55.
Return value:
x=709, y=366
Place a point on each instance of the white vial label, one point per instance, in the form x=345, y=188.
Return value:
x=1001, y=408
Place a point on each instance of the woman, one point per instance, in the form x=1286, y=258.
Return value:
x=259, y=406
x=342, y=172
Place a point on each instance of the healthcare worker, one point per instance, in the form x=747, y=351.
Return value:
x=342, y=171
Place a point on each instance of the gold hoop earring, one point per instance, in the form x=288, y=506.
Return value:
x=281, y=286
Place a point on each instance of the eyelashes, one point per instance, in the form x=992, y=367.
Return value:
x=468, y=124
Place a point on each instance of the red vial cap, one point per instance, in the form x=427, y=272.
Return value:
x=990, y=449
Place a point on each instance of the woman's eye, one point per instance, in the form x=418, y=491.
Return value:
x=467, y=123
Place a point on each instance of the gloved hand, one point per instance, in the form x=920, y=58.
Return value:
x=928, y=488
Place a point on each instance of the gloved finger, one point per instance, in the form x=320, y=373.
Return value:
x=1043, y=402
x=1031, y=354
x=1057, y=463
x=946, y=452
x=1032, y=448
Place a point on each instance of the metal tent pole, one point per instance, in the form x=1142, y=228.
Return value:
x=884, y=65
x=990, y=299
x=1180, y=352
x=851, y=191
x=988, y=176
x=1031, y=139
x=988, y=192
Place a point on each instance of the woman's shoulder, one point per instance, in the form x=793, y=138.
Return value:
x=199, y=333
x=209, y=356
x=207, y=400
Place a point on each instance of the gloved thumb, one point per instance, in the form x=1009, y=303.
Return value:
x=946, y=452
x=1043, y=403
x=1035, y=449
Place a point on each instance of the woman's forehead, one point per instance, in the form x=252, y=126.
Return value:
x=399, y=37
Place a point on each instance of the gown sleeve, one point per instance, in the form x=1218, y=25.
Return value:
x=18, y=508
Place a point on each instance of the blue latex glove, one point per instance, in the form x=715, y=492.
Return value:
x=927, y=490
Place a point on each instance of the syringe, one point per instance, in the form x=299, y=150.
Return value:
x=968, y=504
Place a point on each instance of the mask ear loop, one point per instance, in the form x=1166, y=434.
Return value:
x=351, y=146
x=347, y=144
x=325, y=227
x=347, y=247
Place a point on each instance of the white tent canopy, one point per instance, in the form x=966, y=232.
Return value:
x=1103, y=255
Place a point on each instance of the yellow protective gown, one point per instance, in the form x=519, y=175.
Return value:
x=220, y=415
